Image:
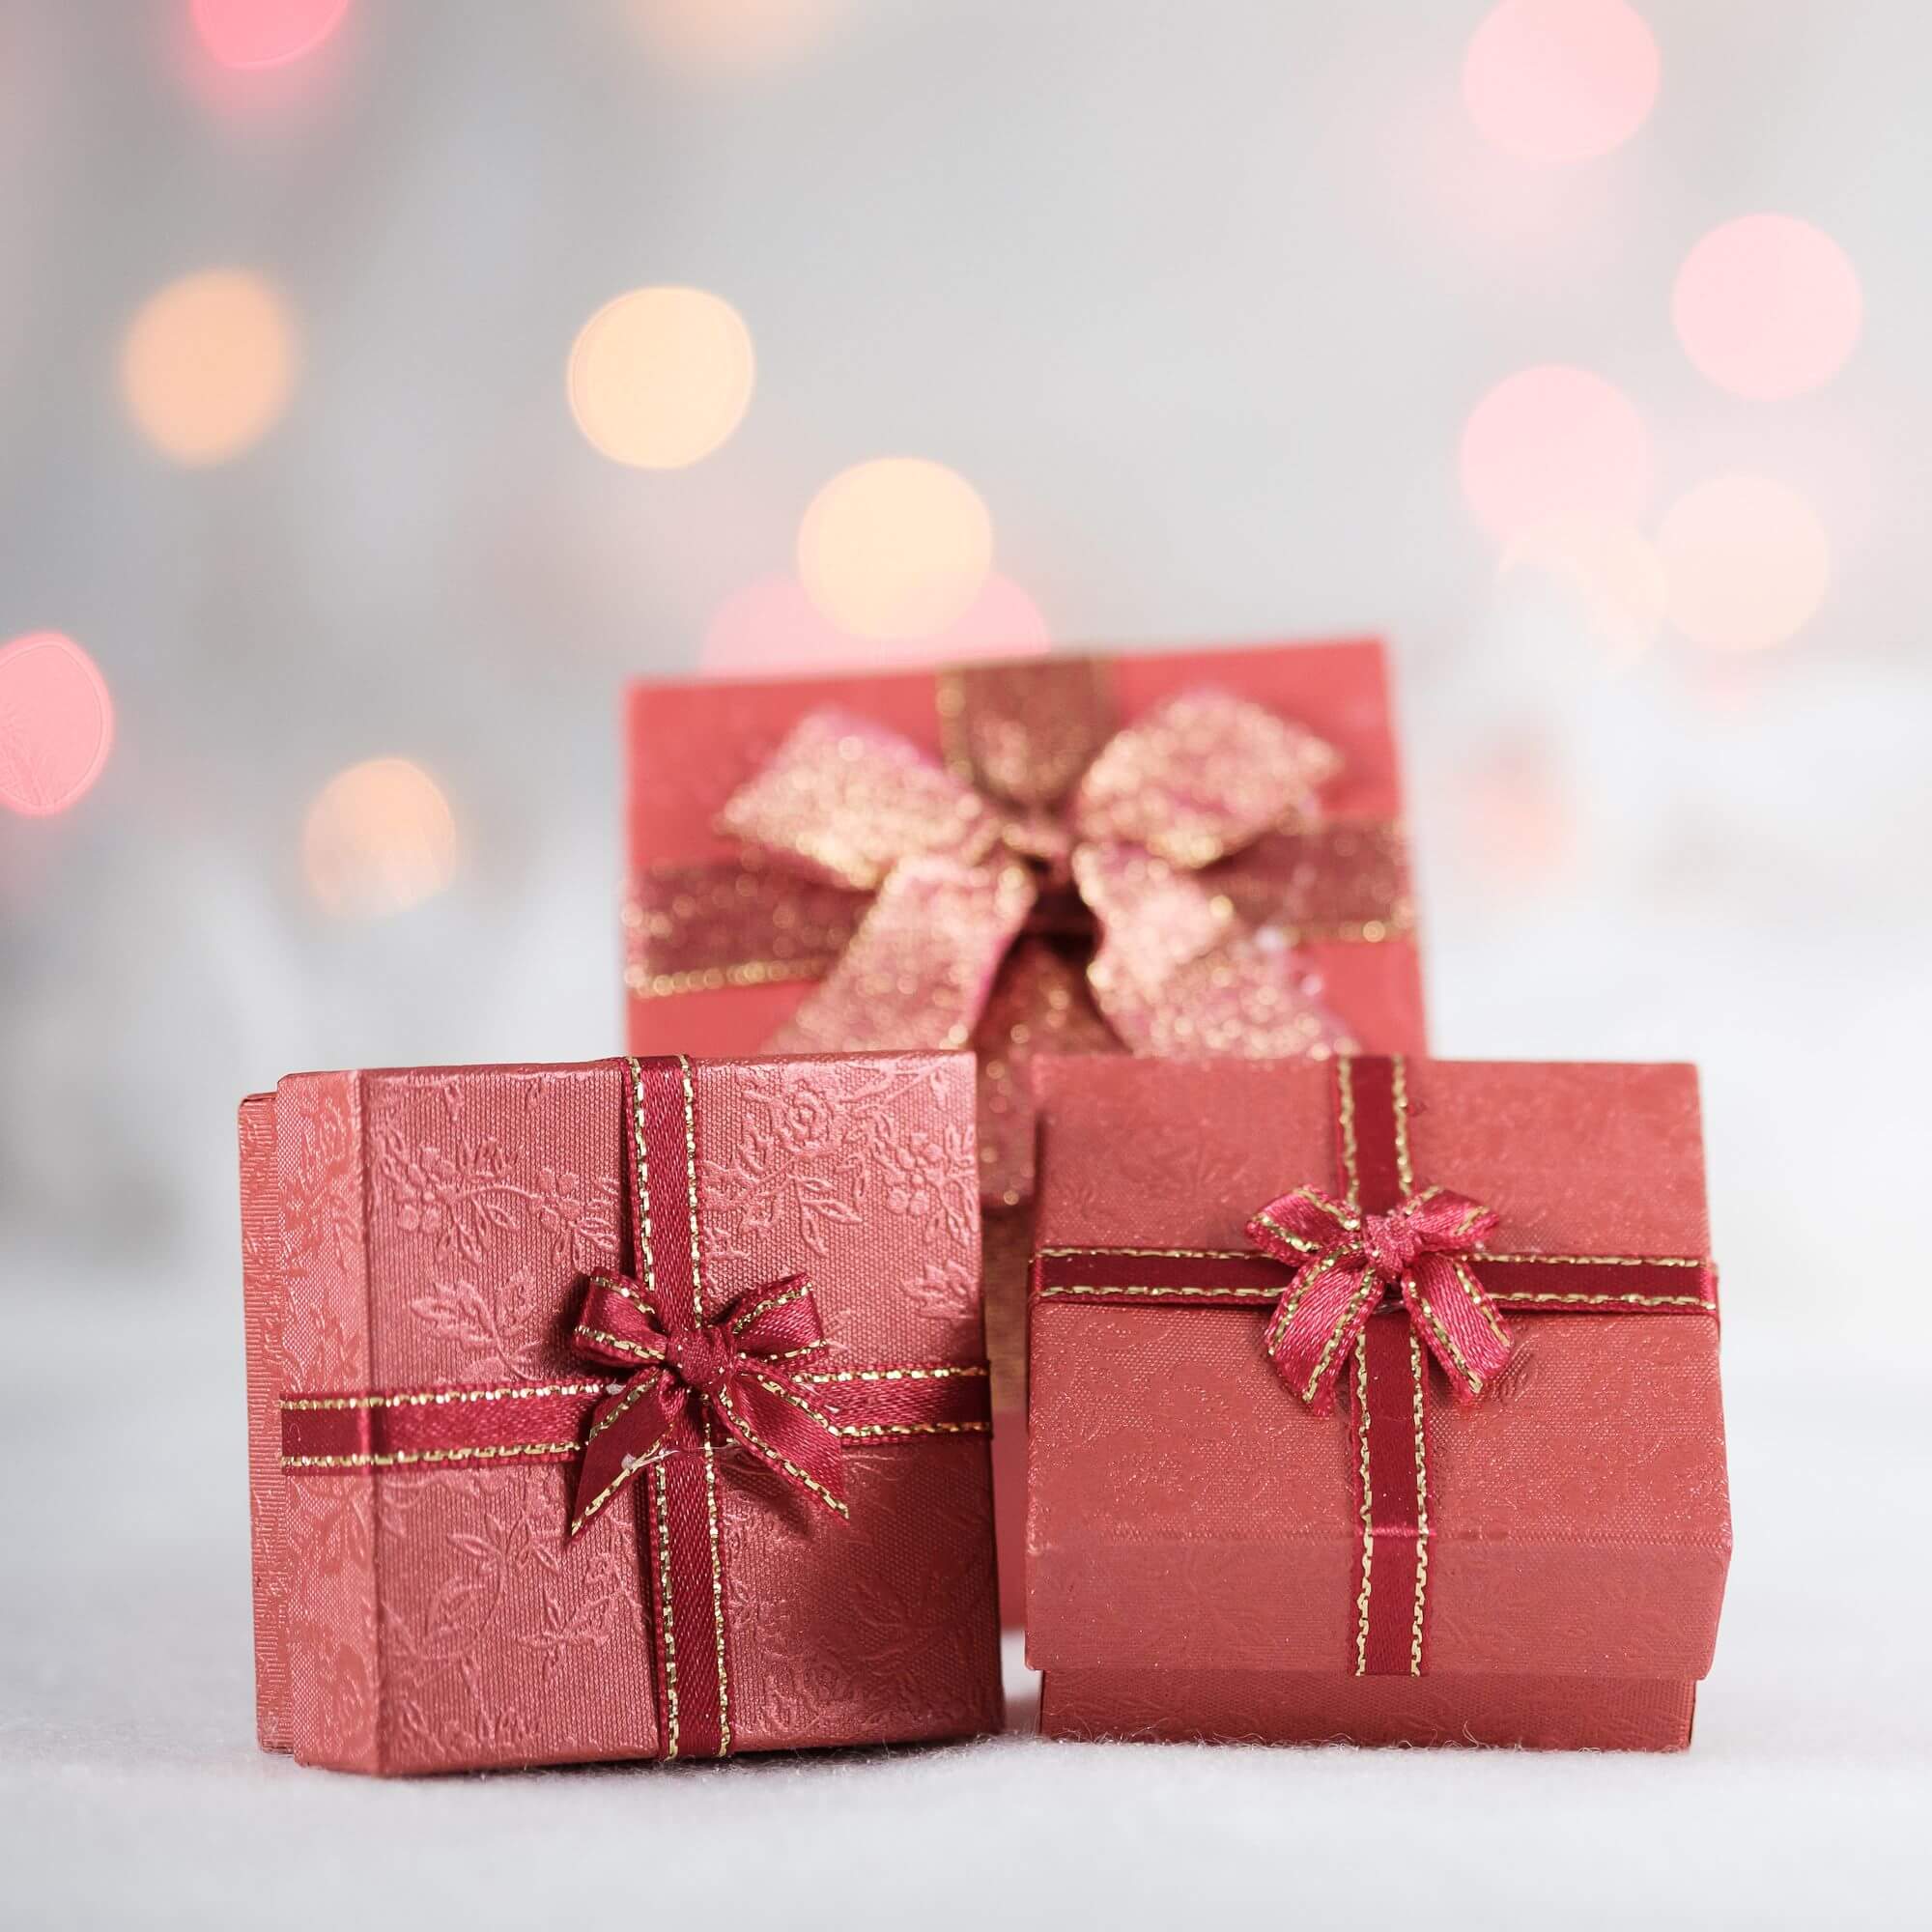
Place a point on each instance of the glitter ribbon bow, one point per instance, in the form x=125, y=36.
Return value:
x=957, y=875
x=1347, y=1264
x=696, y=1381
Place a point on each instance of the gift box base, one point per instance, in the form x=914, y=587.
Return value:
x=1306, y=1708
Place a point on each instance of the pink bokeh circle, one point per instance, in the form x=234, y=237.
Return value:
x=1556, y=81
x=56, y=724
x=1767, y=306
x=1555, y=442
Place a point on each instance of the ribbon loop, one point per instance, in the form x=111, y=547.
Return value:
x=843, y=801
x=1200, y=778
x=1347, y=1261
x=733, y=1371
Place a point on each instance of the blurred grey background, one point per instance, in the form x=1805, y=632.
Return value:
x=1204, y=304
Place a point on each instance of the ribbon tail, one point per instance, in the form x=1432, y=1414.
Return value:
x=778, y=1423
x=629, y=1431
x=1458, y=1322
x=920, y=968
x=1177, y=973
x=1316, y=1323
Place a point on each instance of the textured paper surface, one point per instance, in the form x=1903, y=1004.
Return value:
x=1187, y=1513
x=435, y=1228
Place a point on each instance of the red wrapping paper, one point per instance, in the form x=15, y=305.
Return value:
x=691, y=746
x=434, y=1228
x=1193, y=1545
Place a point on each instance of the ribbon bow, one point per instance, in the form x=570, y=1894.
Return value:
x=1349, y=1263
x=958, y=873
x=691, y=1381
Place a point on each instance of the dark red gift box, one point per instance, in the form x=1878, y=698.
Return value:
x=627, y=1409
x=1375, y=1401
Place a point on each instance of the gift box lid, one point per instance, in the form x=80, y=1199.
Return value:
x=418, y=1232
x=1187, y=1510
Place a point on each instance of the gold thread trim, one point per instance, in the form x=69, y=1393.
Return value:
x=717, y=1593
x=1416, y=1372
x=1087, y=1288
x=647, y=1250
x=621, y=1407
x=646, y=986
x=667, y=1625
x=895, y=1375
x=1599, y=1300
x=1471, y=1380
x=403, y=1458
x=743, y=1321
x=914, y=1429
x=634, y=1349
x=1370, y=1284
x=1344, y=1096
x=772, y=1456
x=1404, y=1174
x=779, y=1389
x=1604, y=1261
x=1368, y=1509
x=691, y=1189
x=1300, y=1243
x=1305, y=1278
x=424, y=1398
x=1484, y=1306
x=1164, y=1254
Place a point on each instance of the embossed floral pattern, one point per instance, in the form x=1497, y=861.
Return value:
x=446, y=1238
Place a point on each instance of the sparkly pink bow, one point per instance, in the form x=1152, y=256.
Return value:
x=697, y=1381
x=957, y=875
x=1347, y=1262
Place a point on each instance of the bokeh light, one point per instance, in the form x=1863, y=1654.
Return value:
x=659, y=378
x=378, y=838
x=1554, y=442
x=1611, y=572
x=898, y=548
x=207, y=365
x=1767, y=306
x=264, y=33
x=1002, y=622
x=772, y=629
x=1745, y=562
x=1517, y=819
x=730, y=37
x=1560, y=80
x=56, y=724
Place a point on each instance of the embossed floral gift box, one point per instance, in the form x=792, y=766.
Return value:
x=1184, y=853
x=636, y=1409
x=1375, y=1401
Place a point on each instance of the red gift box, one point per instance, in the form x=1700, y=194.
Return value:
x=1375, y=1401
x=620, y=1410
x=924, y=859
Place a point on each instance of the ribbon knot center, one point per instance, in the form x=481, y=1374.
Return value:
x=1391, y=1242
x=701, y=1359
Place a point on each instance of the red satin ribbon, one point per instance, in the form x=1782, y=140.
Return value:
x=704, y=1386
x=1364, y=1288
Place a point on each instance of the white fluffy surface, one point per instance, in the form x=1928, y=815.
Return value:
x=132, y=1791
